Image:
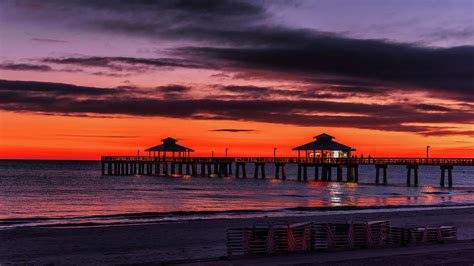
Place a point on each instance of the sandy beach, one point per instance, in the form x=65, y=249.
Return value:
x=204, y=241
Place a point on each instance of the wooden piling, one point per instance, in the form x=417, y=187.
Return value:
x=305, y=172
x=316, y=172
x=299, y=172
x=339, y=173
x=277, y=171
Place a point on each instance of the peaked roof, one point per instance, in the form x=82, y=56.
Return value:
x=324, y=142
x=168, y=139
x=324, y=136
x=169, y=144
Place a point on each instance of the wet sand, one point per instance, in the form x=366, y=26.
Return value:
x=191, y=240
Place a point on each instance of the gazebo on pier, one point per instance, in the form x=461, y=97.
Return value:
x=324, y=147
x=169, y=145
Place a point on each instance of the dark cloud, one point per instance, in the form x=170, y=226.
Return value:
x=47, y=40
x=25, y=67
x=124, y=63
x=97, y=136
x=447, y=70
x=447, y=132
x=240, y=36
x=232, y=130
x=119, y=101
x=432, y=107
x=173, y=91
x=268, y=92
x=25, y=88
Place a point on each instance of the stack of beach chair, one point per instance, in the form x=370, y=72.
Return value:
x=341, y=234
x=412, y=234
x=257, y=240
x=283, y=237
x=302, y=236
x=236, y=241
x=322, y=236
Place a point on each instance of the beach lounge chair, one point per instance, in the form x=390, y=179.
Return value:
x=341, y=234
x=258, y=238
x=302, y=236
x=378, y=233
x=280, y=238
x=322, y=237
x=448, y=233
x=236, y=242
x=359, y=233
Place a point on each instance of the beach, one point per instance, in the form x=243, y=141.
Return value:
x=199, y=241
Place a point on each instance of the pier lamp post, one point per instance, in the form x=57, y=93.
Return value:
x=212, y=154
x=226, y=149
x=427, y=151
x=274, y=154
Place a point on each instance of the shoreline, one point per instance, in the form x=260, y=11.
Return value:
x=173, y=241
x=280, y=213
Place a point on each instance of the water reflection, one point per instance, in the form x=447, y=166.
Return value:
x=42, y=190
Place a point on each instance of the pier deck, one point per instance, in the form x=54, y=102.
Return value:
x=222, y=166
x=296, y=160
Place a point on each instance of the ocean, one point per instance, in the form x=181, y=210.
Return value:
x=74, y=193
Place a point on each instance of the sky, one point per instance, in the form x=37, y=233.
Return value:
x=81, y=79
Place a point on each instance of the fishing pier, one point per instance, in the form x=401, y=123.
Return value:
x=324, y=155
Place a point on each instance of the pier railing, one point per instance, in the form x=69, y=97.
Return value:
x=337, y=161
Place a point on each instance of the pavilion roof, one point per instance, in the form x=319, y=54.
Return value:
x=324, y=142
x=169, y=144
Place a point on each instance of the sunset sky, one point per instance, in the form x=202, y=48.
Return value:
x=80, y=79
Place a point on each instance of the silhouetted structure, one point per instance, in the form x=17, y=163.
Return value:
x=324, y=147
x=322, y=153
x=169, y=145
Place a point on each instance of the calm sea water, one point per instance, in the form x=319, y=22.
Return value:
x=74, y=193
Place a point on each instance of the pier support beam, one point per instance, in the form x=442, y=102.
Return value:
x=262, y=167
x=203, y=169
x=316, y=172
x=188, y=168
x=339, y=173
x=377, y=173
x=238, y=167
x=450, y=175
x=299, y=172
x=173, y=168
x=415, y=172
x=281, y=166
x=165, y=168
x=324, y=173
x=209, y=169
x=356, y=173
x=180, y=168
x=305, y=172
x=194, y=169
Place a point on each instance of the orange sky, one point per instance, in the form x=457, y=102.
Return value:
x=32, y=136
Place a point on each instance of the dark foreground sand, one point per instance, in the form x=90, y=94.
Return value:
x=178, y=242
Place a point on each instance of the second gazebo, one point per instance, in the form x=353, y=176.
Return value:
x=324, y=147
